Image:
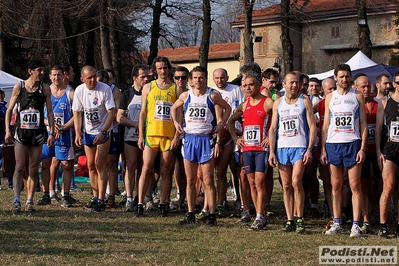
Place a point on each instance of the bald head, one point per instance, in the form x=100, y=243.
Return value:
x=363, y=85
x=220, y=78
x=89, y=77
x=328, y=86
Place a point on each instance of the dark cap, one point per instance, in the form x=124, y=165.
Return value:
x=1, y=90
x=33, y=64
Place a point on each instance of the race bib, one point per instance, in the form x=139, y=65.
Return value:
x=343, y=122
x=394, y=131
x=59, y=118
x=289, y=125
x=92, y=117
x=197, y=113
x=163, y=111
x=371, y=134
x=252, y=136
x=30, y=119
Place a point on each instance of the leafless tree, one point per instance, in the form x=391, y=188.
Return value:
x=288, y=49
x=365, y=44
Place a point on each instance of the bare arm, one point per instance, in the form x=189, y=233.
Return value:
x=177, y=112
x=361, y=155
x=143, y=116
x=273, y=134
x=231, y=125
x=324, y=129
x=13, y=100
x=378, y=130
x=312, y=131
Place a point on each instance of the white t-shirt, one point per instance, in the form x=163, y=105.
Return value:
x=94, y=104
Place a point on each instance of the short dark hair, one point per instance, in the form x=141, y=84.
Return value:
x=103, y=74
x=378, y=79
x=315, y=80
x=342, y=67
x=136, y=69
x=200, y=69
x=58, y=68
x=181, y=68
x=396, y=74
x=65, y=66
x=269, y=72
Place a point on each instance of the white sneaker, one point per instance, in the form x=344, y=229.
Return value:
x=172, y=206
x=149, y=206
x=335, y=229
x=257, y=225
x=356, y=231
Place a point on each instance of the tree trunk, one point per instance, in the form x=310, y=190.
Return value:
x=248, y=44
x=71, y=43
x=155, y=31
x=206, y=33
x=104, y=35
x=288, y=48
x=114, y=40
x=365, y=44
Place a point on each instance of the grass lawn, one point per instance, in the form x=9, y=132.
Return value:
x=59, y=236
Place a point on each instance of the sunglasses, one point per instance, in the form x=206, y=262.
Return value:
x=180, y=77
x=396, y=82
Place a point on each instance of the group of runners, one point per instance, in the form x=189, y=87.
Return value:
x=175, y=125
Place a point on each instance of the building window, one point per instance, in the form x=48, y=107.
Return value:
x=388, y=25
x=262, y=46
x=334, y=62
x=310, y=66
x=311, y=33
x=335, y=31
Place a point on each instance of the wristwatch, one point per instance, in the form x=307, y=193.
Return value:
x=104, y=132
x=53, y=134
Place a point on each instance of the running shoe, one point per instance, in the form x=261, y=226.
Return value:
x=111, y=202
x=91, y=205
x=172, y=207
x=202, y=216
x=335, y=229
x=182, y=207
x=75, y=188
x=67, y=201
x=356, y=231
x=288, y=227
x=383, y=232
x=329, y=224
x=162, y=210
x=188, y=219
x=366, y=228
x=123, y=201
x=129, y=206
x=55, y=200
x=16, y=208
x=300, y=227
x=257, y=225
x=140, y=211
x=212, y=220
x=245, y=217
x=167, y=207
x=100, y=206
x=44, y=200
x=29, y=207
x=149, y=206
x=220, y=211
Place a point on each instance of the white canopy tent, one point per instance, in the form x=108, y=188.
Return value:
x=358, y=61
x=7, y=82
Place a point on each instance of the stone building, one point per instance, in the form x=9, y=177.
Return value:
x=324, y=33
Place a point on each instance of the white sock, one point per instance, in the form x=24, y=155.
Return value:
x=52, y=193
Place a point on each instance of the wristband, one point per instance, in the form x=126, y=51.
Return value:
x=218, y=143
